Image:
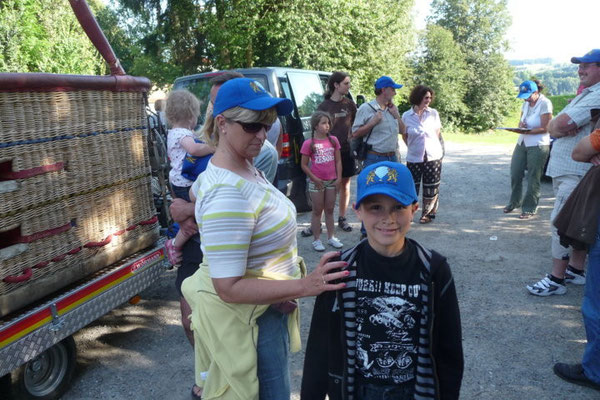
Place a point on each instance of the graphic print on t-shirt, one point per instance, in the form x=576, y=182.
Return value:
x=323, y=153
x=387, y=332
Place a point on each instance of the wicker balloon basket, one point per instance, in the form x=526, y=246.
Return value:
x=75, y=192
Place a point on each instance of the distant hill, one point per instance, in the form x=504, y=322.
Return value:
x=559, y=79
x=547, y=60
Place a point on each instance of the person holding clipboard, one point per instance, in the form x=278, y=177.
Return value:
x=532, y=149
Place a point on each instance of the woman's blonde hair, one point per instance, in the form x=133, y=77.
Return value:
x=182, y=106
x=210, y=131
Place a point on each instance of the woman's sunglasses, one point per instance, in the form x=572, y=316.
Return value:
x=252, y=127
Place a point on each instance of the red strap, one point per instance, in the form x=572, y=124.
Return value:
x=74, y=251
x=19, y=278
x=42, y=264
x=43, y=234
x=28, y=173
x=99, y=244
x=150, y=221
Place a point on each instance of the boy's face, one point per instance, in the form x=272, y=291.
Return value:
x=386, y=221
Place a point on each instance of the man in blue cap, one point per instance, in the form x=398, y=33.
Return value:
x=572, y=124
x=378, y=122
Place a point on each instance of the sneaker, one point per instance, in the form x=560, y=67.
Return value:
x=318, y=245
x=574, y=278
x=574, y=373
x=546, y=287
x=334, y=242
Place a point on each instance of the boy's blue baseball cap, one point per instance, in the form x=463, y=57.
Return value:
x=389, y=178
x=526, y=89
x=591, y=56
x=247, y=93
x=386, y=81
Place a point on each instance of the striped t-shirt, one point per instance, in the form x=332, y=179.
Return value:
x=244, y=225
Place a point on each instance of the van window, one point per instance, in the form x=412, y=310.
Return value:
x=201, y=88
x=307, y=90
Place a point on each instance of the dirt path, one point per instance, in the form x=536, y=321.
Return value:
x=511, y=339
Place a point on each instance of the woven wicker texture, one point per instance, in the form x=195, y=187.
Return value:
x=94, y=216
x=109, y=147
x=74, y=175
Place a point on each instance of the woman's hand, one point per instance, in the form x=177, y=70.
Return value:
x=324, y=275
x=523, y=124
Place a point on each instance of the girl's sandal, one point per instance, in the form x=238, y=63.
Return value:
x=526, y=215
x=344, y=225
x=425, y=219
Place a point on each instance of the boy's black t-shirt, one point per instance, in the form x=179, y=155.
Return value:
x=387, y=316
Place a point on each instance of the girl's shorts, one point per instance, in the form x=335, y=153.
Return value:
x=326, y=184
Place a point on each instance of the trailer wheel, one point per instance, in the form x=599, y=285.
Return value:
x=47, y=376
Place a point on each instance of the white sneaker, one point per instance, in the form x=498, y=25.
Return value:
x=318, y=246
x=575, y=279
x=546, y=287
x=334, y=242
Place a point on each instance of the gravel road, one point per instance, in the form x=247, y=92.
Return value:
x=511, y=339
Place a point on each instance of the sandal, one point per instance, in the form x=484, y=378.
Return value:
x=344, y=225
x=173, y=253
x=507, y=209
x=195, y=395
x=526, y=215
x=425, y=219
x=306, y=232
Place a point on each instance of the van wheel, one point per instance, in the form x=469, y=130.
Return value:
x=47, y=376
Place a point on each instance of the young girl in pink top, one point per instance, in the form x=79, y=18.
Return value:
x=325, y=172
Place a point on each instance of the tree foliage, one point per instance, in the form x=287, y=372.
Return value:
x=442, y=67
x=44, y=36
x=190, y=36
x=479, y=27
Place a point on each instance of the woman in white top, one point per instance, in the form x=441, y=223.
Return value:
x=425, y=151
x=532, y=149
x=251, y=271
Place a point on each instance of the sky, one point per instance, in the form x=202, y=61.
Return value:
x=558, y=29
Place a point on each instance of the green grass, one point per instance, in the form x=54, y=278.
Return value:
x=491, y=138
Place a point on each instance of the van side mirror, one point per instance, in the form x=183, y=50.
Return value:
x=360, y=100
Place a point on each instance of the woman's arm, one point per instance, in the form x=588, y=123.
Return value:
x=196, y=149
x=261, y=291
x=543, y=128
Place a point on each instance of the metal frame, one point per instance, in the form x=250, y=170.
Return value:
x=27, y=336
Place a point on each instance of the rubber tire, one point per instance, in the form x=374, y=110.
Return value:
x=59, y=364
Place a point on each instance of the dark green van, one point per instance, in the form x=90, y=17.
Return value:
x=305, y=88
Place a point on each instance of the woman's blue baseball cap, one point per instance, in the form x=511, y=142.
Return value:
x=386, y=81
x=526, y=89
x=592, y=56
x=248, y=93
x=389, y=178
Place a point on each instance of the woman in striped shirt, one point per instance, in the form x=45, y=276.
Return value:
x=244, y=315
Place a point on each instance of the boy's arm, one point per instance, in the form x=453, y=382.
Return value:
x=447, y=334
x=315, y=374
x=196, y=149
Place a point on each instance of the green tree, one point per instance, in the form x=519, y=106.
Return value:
x=190, y=36
x=478, y=27
x=442, y=66
x=45, y=36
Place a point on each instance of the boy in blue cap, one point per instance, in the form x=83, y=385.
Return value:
x=394, y=330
